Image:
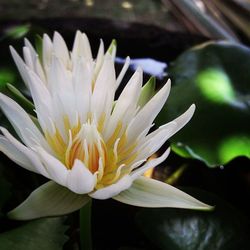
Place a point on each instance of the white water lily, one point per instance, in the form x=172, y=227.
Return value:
x=87, y=144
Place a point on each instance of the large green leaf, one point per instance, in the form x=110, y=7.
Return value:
x=173, y=229
x=43, y=234
x=216, y=77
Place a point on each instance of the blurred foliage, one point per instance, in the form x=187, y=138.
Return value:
x=17, y=31
x=43, y=234
x=176, y=229
x=214, y=76
x=6, y=75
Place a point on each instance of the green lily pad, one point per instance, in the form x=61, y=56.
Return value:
x=177, y=229
x=43, y=234
x=216, y=77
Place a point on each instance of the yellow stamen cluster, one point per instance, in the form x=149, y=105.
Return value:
x=110, y=160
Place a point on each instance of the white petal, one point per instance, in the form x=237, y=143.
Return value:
x=146, y=192
x=41, y=98
x=148, y=113
x=183, y=119
x=56, y=170
x=21, y=122
x=32, y=60
x=22, y=68
x=58, y=79
x=99, y=59
x=36, y=165
x=104, y=89
x=152, y=142
x=126, y=104
x=81, y=47
x=123, y=71
x=156, y=139
x=61, y=87
x=112, y=190
x=80, y=180
x=31, y=48
x=49, y=199
x=150, y=164
x=47, y=52
x=15, y=154
x=29, y=60
x=60, y=48
x=82, y=81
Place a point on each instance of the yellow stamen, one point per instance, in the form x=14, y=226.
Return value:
x=109, y=160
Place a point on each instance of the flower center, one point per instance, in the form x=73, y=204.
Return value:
x=87, y=146
x=109, y=160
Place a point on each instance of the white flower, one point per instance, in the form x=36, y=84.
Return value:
x=86, y=142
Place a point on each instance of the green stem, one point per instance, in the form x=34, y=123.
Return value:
x=85, y=227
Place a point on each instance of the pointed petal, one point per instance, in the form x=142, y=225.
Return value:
x=49, y=199
x=146, y=192
x=21, y=122
x=156, y=139
x=80, y=180
x=99, y=59
x=125, y=106
x=112, y=190
x=150, y=164
x=123, y=71
x=56, y=170
x=60, y=48
x=183, y=119
x=152, y=142
x=82, y=82
x=104, y=89
x=47, y=52
x=81, y=47
x=36, y=165
x=148, y=113
x=15, y=154
x=21, y=66
x=32, y=59
x=31, y=48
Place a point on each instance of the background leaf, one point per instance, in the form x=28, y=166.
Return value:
x=178, y=229
x=216, y=77
x=43, y=234
x=5, y=192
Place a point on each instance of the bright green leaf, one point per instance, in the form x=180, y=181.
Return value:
x=216, y=77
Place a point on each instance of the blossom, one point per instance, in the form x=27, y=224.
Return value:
x=87, y=143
